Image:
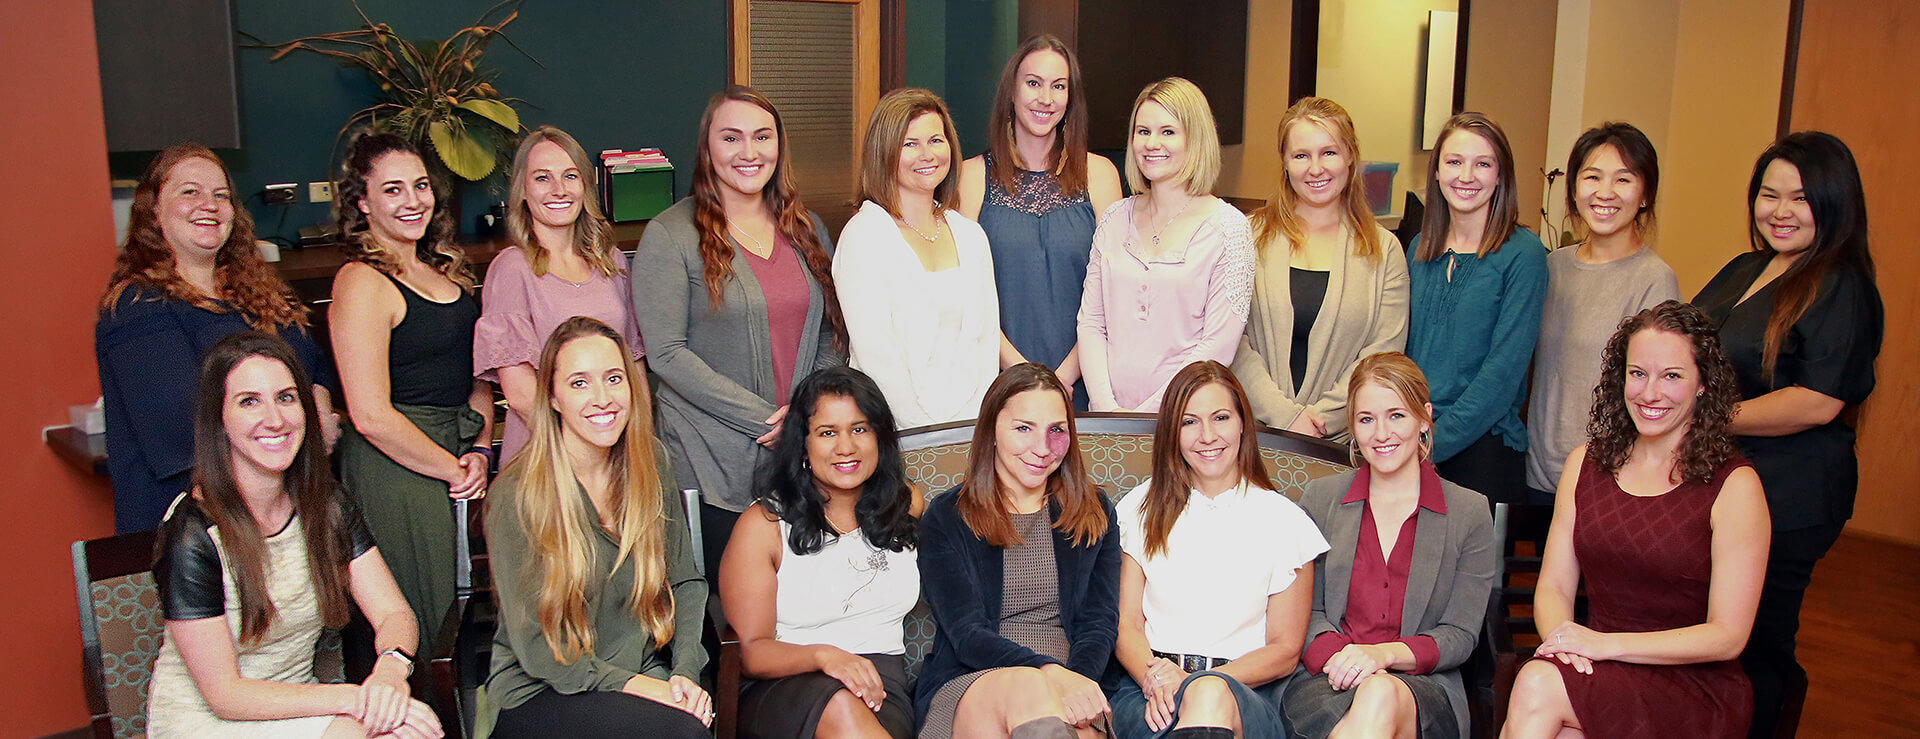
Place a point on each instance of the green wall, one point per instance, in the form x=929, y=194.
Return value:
x=617, y=75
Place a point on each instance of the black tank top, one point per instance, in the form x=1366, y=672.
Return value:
x=430, y=352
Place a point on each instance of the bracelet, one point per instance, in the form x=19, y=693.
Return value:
x=400, y=654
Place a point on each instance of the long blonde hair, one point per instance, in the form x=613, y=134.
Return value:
x=560, y=525
x=1280, y=217
x=591, y=234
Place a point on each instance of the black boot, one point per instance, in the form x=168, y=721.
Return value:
x=1043, y=728
x=1202, y=732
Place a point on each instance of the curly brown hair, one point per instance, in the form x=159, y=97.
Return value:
x=434, y=249
x=246, y=282
x=1610, y=431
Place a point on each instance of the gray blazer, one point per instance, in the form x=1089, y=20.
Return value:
x=715, y=365
x=1447, y=589
x=1364, y=313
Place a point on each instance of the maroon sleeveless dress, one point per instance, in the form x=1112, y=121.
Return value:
x=1646, y=563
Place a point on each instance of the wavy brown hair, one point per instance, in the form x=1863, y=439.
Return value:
x=592, y=235
x=1069, y=152
x=560, y=525
x=1831, y=182
x=982, y=503
x=434, y=249
x=1610, y=431
x=782, y=198
x=308, y=482
x=1279, y=218
x=1503, y=213
x=245, y=280
x=1173, y=479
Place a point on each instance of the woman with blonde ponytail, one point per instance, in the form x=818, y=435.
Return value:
x=600, y=603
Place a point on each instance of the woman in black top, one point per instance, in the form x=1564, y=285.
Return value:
x=1801, y=321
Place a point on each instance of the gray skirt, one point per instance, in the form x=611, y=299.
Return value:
x=1314, y=707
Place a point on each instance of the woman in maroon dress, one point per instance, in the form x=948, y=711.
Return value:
x=1669, y=526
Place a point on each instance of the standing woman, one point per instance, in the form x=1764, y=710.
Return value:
x=1478, y=279
x=260, y=556
x=1340, y=293
x=1665, y=527
x=1612, y=274
x=188, y=274
x=563, y=263
x=402, y=324
x=822, y=571
x=600, y=604
x=1399, y=597
x=1801, y=320
x=1217, y=579
x=1172, y=267
x=1026, y=594
x=915, y=276
x=733, y=294
x=1035, y=193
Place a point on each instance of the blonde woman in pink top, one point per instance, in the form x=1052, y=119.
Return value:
x=564, y=263
x=1171, y=274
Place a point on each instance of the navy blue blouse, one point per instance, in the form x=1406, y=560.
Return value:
x=1041, y=239
x=149, y=348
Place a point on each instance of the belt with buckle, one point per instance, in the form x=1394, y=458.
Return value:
x=1193, y=662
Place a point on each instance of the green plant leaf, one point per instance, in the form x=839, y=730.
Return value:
x=460, y=151
x=495, y=111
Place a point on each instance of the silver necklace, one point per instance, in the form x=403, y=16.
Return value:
x=1176, y=216
x=758, y=248
x=935, y=238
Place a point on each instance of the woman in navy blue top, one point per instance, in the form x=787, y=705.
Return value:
x=1479, y=280
x=187, y=276
x=1801, y=320
x=1037, y=193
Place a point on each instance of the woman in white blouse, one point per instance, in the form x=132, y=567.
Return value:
x=915, y=277
x=1217, y=581
x=1171, y=274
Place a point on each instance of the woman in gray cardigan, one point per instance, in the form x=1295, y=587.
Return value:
x=1399, y=597
x=735, y=300
x=1330, y=285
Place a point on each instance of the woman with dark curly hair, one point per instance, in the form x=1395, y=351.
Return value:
x=1668, y=525
x=822, y=570
x=402, y=325
x=188, y=274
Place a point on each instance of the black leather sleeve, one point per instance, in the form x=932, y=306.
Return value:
x=187, y=570
x=359, y=537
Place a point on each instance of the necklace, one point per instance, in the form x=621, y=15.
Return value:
x=759, y=249
x=935, y=238
x=1163, y=227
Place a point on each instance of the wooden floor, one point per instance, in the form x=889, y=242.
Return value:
x=1860, y=642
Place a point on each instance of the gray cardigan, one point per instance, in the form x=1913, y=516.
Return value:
x=715, y=366
x=1447, y=588
x=1365, y=312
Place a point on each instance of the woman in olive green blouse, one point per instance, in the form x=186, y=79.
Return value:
x=582, y=651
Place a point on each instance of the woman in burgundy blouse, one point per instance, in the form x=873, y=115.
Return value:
x=1399, y=597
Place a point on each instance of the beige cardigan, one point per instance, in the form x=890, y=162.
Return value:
x=1364, y=313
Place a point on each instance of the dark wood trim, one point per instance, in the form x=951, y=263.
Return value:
x=893, y=44
x=1795, y=11
x=1460, y=36
x=1304, y=64
x=1058, y=17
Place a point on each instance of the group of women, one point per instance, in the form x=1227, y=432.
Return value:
x=1010, y=291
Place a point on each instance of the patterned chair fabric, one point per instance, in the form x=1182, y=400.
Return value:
x=121, y=628
x=1118, y=451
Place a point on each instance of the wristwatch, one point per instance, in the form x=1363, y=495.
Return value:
x=402, y=655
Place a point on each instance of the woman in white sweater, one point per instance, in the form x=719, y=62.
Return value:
x=915, y=277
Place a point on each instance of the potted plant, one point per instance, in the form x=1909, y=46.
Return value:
x=437, y=94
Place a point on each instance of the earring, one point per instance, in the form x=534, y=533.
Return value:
x=806, y=464
x=1700, y=393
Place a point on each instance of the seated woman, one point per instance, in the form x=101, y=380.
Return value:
x=822, y=571
x=1212, y=602
x=187, y=275
x=600, y=603
x=1669, y=528
x=1399, y=599
x=258, y=558
x=1028, y=576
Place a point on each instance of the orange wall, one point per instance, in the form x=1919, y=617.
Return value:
x=59, y=248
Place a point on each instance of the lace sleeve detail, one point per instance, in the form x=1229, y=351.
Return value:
x=1237, y=257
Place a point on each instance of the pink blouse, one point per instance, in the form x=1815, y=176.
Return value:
x=1143, y=319
x=518, y=311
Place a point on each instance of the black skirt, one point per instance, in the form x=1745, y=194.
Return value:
x=788, y=707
